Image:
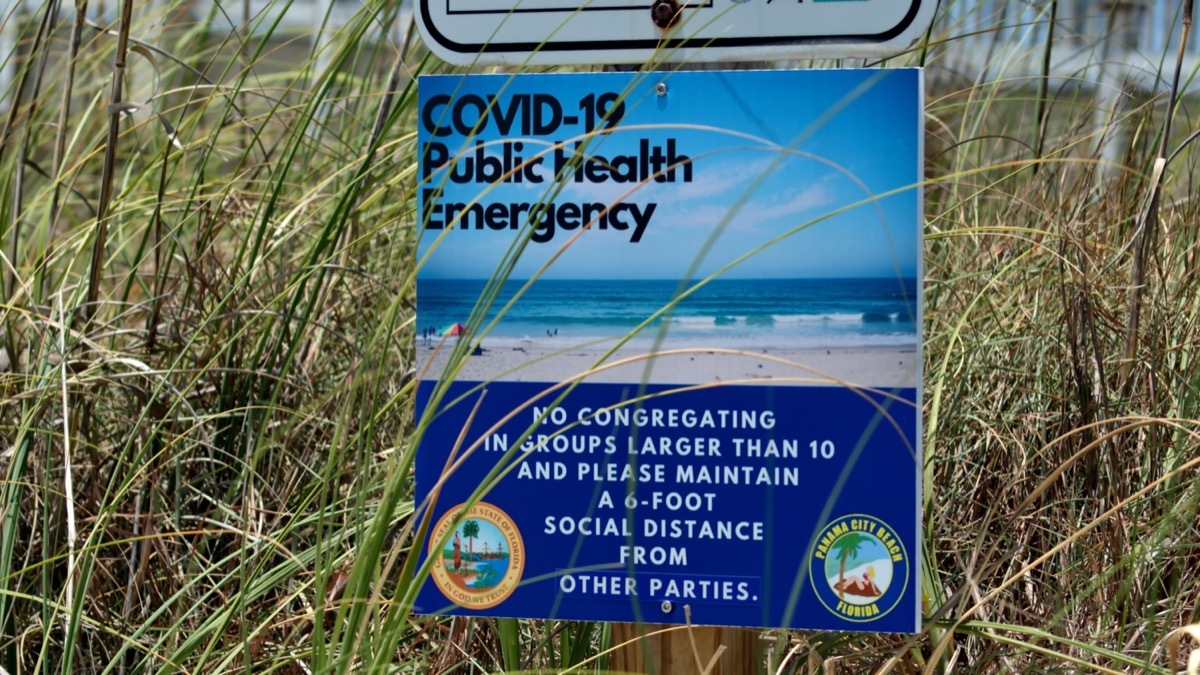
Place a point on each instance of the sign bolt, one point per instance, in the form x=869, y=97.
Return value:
x=667, y=606
x=661, y=88
x=664, y=13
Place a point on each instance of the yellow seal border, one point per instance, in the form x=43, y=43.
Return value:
x=905, y=560
x=467, y=598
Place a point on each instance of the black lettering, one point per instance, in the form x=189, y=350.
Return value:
x=658, y=165
x=468, y=211
x=595, y=170
x=518, y=104
x=594, y=211
x=543, y=230
x=431, y=208
x=624, y=169
x=676, y=161
x=545, y=220
x=433, y=158
x=568, y=216
x=641, y=220
x=514, y=216
x=461, y=124
x=489, y=169
x=496, y=216
x=614, y=216
x=427, y=115
x=541, y=104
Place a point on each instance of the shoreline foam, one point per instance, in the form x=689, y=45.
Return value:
x=874, y=366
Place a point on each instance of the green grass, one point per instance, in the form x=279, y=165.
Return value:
x=206, y=420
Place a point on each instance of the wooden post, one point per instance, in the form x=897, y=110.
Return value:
x=672, y=653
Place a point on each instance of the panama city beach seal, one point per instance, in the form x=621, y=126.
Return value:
x=859, y=568
x=478, y=561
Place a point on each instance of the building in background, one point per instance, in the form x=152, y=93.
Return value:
x=995, y=39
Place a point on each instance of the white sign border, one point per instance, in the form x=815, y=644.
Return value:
x=673, y=48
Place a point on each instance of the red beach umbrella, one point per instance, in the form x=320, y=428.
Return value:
x=453, y=330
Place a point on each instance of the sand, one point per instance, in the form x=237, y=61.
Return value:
x=548, y=361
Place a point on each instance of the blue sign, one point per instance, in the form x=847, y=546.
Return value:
x=669, y=338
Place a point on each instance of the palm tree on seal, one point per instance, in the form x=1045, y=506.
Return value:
x=470, y=531
x=847, y=546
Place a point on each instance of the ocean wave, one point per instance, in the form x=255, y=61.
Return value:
x=832, y=317
x=766, y=319
x=748, y=342
x=717, y=324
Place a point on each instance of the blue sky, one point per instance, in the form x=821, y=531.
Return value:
x=790, y=147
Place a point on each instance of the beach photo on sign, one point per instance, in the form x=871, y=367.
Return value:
x=686, y=232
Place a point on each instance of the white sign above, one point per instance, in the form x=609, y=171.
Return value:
x=564, y=32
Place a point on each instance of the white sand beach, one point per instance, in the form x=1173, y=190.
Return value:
x=545, y=361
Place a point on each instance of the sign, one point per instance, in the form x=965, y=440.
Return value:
x=670, y=347
x=467, y=32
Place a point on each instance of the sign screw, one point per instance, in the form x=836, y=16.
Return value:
x=664, y=13
x=667, y=606
x=661, y=88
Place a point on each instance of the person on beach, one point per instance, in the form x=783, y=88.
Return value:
x=864, y=587
x=457, y=553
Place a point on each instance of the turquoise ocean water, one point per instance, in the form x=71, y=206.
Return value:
x=733, y=313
